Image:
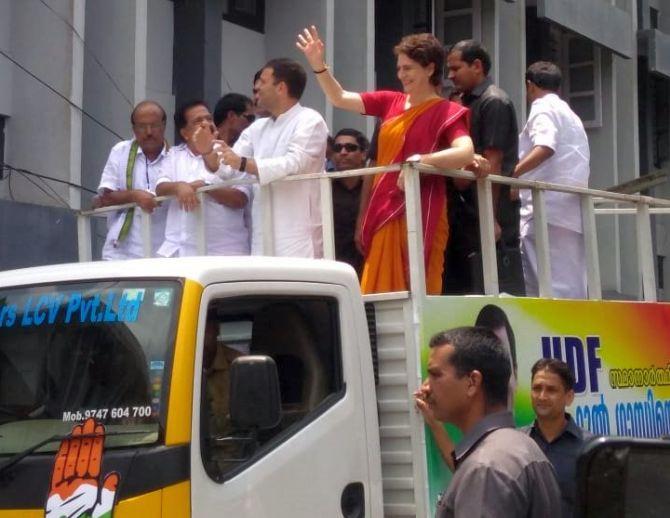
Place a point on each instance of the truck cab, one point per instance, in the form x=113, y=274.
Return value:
x=257, y=386
x=147, y=348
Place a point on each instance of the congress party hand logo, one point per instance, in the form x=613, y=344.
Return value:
x=77, y=488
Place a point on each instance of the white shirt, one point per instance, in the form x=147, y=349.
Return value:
x=553, y=124
x=113, y=178
x=293, y=143
x=225, y=231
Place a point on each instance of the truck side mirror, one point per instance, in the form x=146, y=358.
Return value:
x=255, y=402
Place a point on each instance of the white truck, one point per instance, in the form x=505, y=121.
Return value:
x=262, y=386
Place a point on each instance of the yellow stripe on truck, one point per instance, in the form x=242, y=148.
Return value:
x=181, y=382
x=147, y=505
x=177, y=501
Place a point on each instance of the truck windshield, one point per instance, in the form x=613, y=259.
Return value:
x=77, y=350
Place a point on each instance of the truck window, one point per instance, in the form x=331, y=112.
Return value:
x=301, y=334
x=76, y=350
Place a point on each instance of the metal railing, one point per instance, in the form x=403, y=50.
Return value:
x=642, y=207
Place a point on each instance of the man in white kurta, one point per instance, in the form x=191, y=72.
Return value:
x=183, y=173
x=150, y=150
x=291, y=141
x=225, y=230
x=553, y=147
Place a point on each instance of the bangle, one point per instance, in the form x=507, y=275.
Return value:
x=243, y=164
x=325, y=67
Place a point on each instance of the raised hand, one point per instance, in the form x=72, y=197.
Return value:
x=76, y=487
x=203, y=137
x=227, y=155
x=312, y=47
x=421, y=396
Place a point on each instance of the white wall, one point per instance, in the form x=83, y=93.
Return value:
x=242, y=54
x=38, y=133
x=282, y=26
x=40, y=120
x=352, y=59
x=160, y=42
x=6, y=78
x=6, y=68
x=508, y=53
x=244, y=51
x=604, y=174
x=111, y=32
x=627, y=149
x=110, y=41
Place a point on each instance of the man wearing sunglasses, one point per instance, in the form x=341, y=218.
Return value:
x=232, y=115
x=350, y=148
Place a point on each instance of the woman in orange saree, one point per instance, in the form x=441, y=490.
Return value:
x=416, y=121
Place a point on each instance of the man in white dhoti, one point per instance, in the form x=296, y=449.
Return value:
x=553, y=147
x=292, y=140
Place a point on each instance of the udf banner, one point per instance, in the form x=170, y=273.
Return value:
x=619, y=353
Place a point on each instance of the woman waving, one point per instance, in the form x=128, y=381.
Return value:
x=416, y=121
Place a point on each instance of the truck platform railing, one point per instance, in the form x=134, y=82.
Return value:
x=594, y=203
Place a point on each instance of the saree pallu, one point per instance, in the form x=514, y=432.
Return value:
x=384, y=227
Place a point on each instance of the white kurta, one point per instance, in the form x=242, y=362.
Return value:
x=551, y=123
x=145, y=174
x=225, y=230
x=293, y=143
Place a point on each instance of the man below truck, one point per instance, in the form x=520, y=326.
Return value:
x=554, y=430
x=498, y=470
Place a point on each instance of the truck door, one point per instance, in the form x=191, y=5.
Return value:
x=315, y=462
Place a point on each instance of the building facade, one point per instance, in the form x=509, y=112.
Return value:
x=70, y=71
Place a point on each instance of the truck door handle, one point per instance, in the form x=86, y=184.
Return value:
x=353, y=500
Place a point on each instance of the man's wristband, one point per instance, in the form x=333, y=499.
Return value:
x=243, y=164
x=325, y=67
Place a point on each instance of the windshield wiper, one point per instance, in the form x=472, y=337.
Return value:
x=15, y=459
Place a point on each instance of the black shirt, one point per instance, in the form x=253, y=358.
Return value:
x=562, y=452
x=493, y=125
x=493, y=122
x=345, y=211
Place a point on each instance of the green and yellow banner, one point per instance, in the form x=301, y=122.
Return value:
x=618, y=351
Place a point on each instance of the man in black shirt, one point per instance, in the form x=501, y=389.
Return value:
x=350, y=148
x=554, y=430
x=494, y=132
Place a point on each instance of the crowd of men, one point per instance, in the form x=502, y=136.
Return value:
x=273, y=136
x=500, y=470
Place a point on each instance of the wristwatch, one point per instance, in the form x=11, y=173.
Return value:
x=243, y=164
